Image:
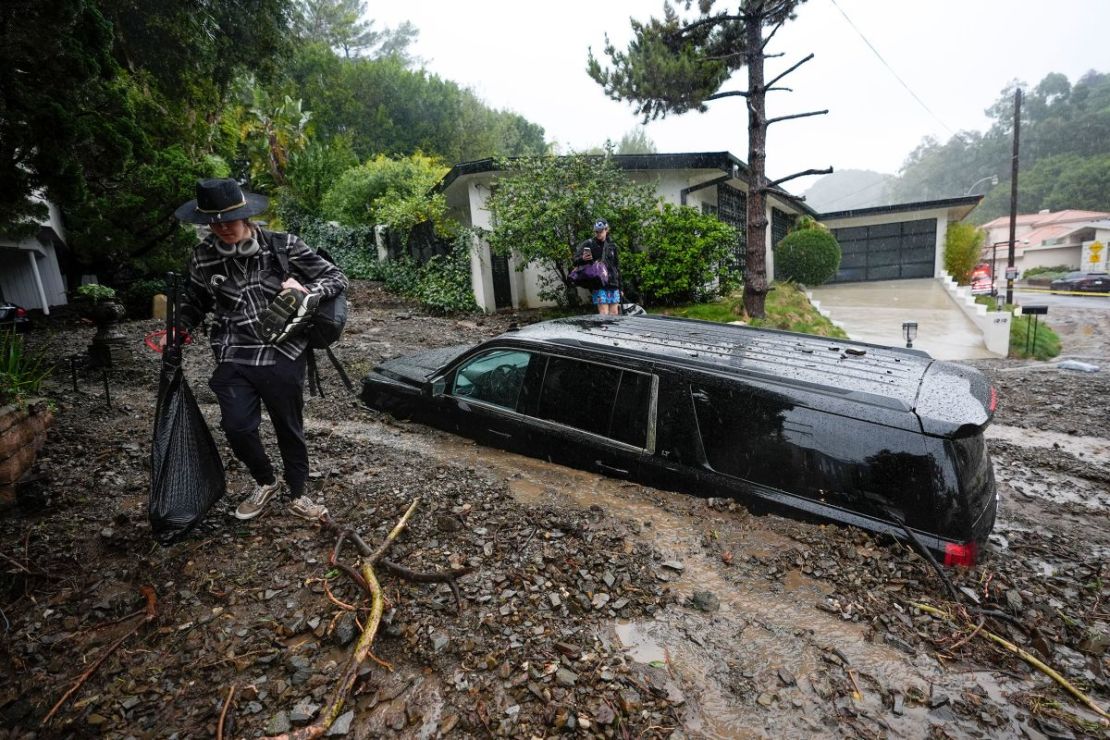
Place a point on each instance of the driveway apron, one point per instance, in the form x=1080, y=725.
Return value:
x=875, y=311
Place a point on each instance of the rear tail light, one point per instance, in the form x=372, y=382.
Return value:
x=962, y=555
x=20, y=312
x=994, y=400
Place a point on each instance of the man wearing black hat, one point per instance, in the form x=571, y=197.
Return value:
x=601, y=247
x=235, y=274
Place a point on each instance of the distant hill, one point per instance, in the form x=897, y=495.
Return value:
x=848, y=189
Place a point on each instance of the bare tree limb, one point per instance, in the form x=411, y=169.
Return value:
x=771, y=35
x=789, y=70
x=149, y=613
x=707, y=21
x=797, y=115
x=803, y=173
x=727, y=94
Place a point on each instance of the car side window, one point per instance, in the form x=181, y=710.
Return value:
x=595, y=398
x=764, y=438
x=494, y=377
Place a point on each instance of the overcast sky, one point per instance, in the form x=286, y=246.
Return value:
x=956, y=55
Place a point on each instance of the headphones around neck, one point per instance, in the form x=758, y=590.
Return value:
x=246, y=248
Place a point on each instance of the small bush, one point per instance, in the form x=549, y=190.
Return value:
x=963, y=247
x=21, y=373
x=684, y=260
x=352, y=247
x=96, y=292
x=1054, y=271
x=807, y=256
x=444, y=285
x=138, y=298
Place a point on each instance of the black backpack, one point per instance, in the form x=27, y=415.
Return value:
x=327, y=322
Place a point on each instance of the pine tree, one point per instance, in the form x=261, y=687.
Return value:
x=674, y=66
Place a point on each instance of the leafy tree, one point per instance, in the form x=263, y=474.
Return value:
x=369, y=194
x=544, y=207
x=271, y=131
x=963, y=245
x=674, y=66
x=65, y=119
x=1064, y=136
x=315, y=169
x=388, y=109
x=682, y=258
x=809, y=255
x=635, y=141
x=339, y=24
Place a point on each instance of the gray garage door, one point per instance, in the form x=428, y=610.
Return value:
x=906, y=249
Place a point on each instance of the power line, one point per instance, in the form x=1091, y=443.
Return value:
x=891, y=69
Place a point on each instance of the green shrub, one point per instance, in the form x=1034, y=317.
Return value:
x=1054, y=271
x=138, y=297
x=357, y=196
x=444, y=285
x=21, y=373
x=684, y=260
x=807, y=256
x=96, y=292
x=1044, y=346
x=352, y=247
x=963, y=247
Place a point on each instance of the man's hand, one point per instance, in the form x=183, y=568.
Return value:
x=294, y=285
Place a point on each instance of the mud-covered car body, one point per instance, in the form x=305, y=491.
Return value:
x=1085, y=282
x=877, y=437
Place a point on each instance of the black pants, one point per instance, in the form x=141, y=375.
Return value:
x=241, y=391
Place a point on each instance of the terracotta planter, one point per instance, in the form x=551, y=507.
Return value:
x=22, y=434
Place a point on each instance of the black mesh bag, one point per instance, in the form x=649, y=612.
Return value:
x=186, y=472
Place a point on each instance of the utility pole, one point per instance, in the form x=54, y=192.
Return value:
x=1013, y=199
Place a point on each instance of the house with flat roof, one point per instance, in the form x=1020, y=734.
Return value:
x=30, y=271
x=884, y=243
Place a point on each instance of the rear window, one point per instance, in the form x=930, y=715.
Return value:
x=763, y=437
x=596, y=398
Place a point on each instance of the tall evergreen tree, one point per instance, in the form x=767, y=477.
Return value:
x=674, y=65
x=340, y=24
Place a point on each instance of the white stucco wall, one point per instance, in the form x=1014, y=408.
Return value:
x=481, y=276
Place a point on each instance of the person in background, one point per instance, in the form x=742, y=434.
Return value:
x=601, y=247
x=235, y=274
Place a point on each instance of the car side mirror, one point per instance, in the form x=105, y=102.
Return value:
x=439, y=387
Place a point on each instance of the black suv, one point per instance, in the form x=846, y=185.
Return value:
x=877, y=437
x=1087, y=282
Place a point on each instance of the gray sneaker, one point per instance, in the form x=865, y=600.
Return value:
x=306, y=508
x=253, y=504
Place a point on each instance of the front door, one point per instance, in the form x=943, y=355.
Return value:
x=502, y=288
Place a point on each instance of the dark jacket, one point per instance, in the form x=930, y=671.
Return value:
x=237, y=290
x=607, y=252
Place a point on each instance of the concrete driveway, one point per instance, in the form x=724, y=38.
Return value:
x=874, y=312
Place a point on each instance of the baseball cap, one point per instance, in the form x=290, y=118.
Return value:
x=601, y=224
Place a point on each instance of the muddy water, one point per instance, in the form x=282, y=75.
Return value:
x=721, y=661
x=1089, y=448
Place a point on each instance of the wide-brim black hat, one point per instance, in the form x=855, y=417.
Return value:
x=221, y=200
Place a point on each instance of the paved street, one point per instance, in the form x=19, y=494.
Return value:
x=1025, y=296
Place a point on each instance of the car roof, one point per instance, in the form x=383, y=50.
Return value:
x=837, y=366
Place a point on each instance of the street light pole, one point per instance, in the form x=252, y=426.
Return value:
x=992, y=178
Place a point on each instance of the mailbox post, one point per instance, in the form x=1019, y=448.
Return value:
x=1036, y=312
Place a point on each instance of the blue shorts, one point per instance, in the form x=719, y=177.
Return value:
x=605, y=296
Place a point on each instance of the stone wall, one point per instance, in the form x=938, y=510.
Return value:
x=22, y=434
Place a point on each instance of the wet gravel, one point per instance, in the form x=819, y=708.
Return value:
x=593, y=607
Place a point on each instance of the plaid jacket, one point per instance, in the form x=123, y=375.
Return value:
x=238, y=289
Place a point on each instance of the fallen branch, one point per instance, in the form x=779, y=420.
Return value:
x=223, y=713
x=1028, y=658
x=363, y=575
x=150, y=613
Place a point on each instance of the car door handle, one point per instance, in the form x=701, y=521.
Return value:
x=610, y=469
x=503, y=435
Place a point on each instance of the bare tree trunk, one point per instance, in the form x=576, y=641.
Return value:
x=755, y=267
